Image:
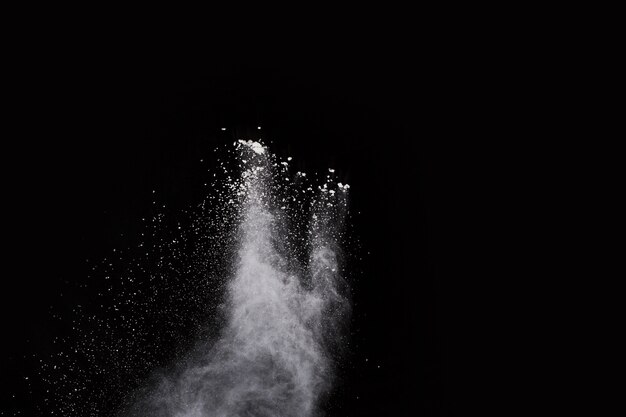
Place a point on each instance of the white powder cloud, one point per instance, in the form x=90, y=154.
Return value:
x=271, y=357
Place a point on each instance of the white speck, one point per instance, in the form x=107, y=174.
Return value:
x=331, y=170
x=223, y=128
x=255, y=146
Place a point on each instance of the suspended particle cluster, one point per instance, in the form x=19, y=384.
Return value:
x=147, y=306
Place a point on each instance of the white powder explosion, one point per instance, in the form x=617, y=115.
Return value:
x=284, y=305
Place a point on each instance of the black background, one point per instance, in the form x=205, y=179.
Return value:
x=96, y=128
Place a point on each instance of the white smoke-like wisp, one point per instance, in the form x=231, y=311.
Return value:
x=284, y=304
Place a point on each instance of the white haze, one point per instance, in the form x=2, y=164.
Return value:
x=271, y=359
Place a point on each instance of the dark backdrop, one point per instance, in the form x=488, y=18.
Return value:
x=95, y=132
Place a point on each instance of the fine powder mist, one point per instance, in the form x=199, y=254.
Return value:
x=283, y=307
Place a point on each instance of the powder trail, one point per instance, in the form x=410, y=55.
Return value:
x=283, y=306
